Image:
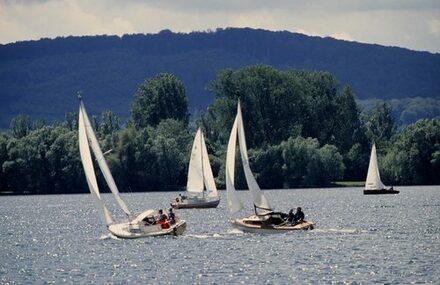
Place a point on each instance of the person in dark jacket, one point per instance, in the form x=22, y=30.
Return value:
x=171, y=216
x=299, y=216
x=290, y=216
x=162, y=217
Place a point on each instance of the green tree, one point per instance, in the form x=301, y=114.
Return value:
x=20, y=126
x=108, y=124
x=3, y=158
x=307, y=165
x=348, y=128
x=414, y=157
x=276, y=105
x=380, y=124
x=159, y=98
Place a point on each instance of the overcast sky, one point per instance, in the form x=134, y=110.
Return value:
x=414, y=24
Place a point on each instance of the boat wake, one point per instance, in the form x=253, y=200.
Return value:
x=213, y=235
x=108, y=236
x=342, y=231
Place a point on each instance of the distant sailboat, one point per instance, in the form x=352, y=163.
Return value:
x=267, y=221
x=136, y=226
x=201, y=189
x=374, y=185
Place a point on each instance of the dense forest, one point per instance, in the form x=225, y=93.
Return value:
x=303, y=130
x=39, y=78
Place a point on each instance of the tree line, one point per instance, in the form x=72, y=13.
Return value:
x=302, y=129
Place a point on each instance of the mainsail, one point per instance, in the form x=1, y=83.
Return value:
x=86, y=159
x=93, y=141
x=373, y=177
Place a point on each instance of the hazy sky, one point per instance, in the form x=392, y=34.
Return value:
x=414, y=24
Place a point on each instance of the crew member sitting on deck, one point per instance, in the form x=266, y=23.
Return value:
x=163, y=220
x=171, y=216
x=299, y=216
x=290, y=216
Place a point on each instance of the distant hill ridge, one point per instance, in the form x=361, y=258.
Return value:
x=40, y=78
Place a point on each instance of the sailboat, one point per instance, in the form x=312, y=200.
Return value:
x=201, y=189
x=374, y=185
x=265, y=219
x=142, y=225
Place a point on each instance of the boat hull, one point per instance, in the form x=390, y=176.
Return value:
x=244, y=225
x=380, y=192
x=195, y=204
x=132, y=231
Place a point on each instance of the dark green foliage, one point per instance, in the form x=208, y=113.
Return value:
x=307, y=165
x=20, y=126
x=157, y=99
x=276, y=104
x=414, y=156
x=380, y=124
x=302, y=131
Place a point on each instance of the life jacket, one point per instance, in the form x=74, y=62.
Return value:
x=164, y=224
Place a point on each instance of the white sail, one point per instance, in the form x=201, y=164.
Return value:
x=195, y=169
x=87, y=163
x=234, y=203
x=257, y=195
x=208, y=177
x=101, y=160
x=373, y=177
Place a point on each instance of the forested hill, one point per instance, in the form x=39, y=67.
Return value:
x=41, y=78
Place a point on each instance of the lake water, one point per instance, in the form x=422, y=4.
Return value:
x=392, y=239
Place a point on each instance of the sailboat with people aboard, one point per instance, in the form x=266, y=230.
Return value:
x=373, y=184
x=265, y=219
x=201, y=189
x=136, y=226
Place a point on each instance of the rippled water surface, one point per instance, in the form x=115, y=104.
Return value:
x=359, y=239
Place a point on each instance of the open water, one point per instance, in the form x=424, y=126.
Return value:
x=392, y=239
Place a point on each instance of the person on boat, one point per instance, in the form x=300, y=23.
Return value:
x=163, y=220
x=299, y=216
x=391, y=188
x=171, y=216
x=290, y=216
x=162, y=216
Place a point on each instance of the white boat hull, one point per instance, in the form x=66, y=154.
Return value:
x=196, y=203
x=255, y=225
x=131, y=231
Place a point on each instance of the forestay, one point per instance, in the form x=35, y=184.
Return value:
x=373, y=177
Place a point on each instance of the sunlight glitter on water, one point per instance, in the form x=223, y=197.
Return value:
x=358, y=239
